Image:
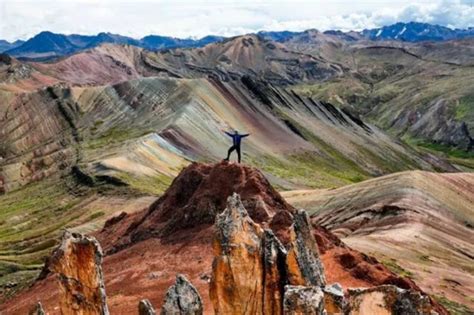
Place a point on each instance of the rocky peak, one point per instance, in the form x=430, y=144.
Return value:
x=77, y=263
x=199, y=193
x=251, y=266
x=237, y=270
x=268, y=257
x=233, y=222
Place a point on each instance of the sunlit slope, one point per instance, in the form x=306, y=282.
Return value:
x=419, y=223
x=153, y=126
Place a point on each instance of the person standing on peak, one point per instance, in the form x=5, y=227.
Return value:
x=236, y=139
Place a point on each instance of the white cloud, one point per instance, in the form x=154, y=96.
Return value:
x=23, y=19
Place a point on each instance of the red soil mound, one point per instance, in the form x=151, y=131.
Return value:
x=194, y=199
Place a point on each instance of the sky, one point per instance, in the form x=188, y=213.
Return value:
x=23, y=19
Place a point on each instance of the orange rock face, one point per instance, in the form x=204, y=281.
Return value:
x=251, y=266
x=77, y=262
x=237, y=269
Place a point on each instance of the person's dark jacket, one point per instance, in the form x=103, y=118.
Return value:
x=236, y=137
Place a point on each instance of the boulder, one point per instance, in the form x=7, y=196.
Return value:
x=236, y=285
x=145, y=308
x=303, y=263
x=77, y=262
x=303, y=300
x=182, y=298
x=389, y=300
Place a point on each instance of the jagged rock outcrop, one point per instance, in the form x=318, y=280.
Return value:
x=251, y=266
x=237, y=270
x=253, y=272
x=303, y=264
x=182, y=298
x=334, y=300
x=274, y=278
x=303, y=300
x=389, y=300
x=145, y=308
x=37, y=310
x=77, y=262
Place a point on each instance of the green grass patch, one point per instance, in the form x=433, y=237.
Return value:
x=450, y=151
x=31, y=221
x=153, y=185
x=308, y=169
x=339, y=91
x=96, y=126
x=465, y=108
x=95, y=215
x=113, y=136
x=396, y=268
x=464, y=159
x=453, y=307
x=13, y=283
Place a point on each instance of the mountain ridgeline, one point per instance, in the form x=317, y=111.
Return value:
x=47, y=45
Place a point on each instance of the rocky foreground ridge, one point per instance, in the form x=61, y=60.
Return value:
x=267, y=257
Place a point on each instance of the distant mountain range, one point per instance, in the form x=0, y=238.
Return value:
x=5, y=45
x=416, y=32
x=48, y=45
x=406, y=32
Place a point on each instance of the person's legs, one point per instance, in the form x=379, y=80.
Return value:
x=238, y=153
x=232, y=148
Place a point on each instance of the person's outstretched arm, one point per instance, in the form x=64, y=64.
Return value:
x=245, y=135
x=227, y=133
